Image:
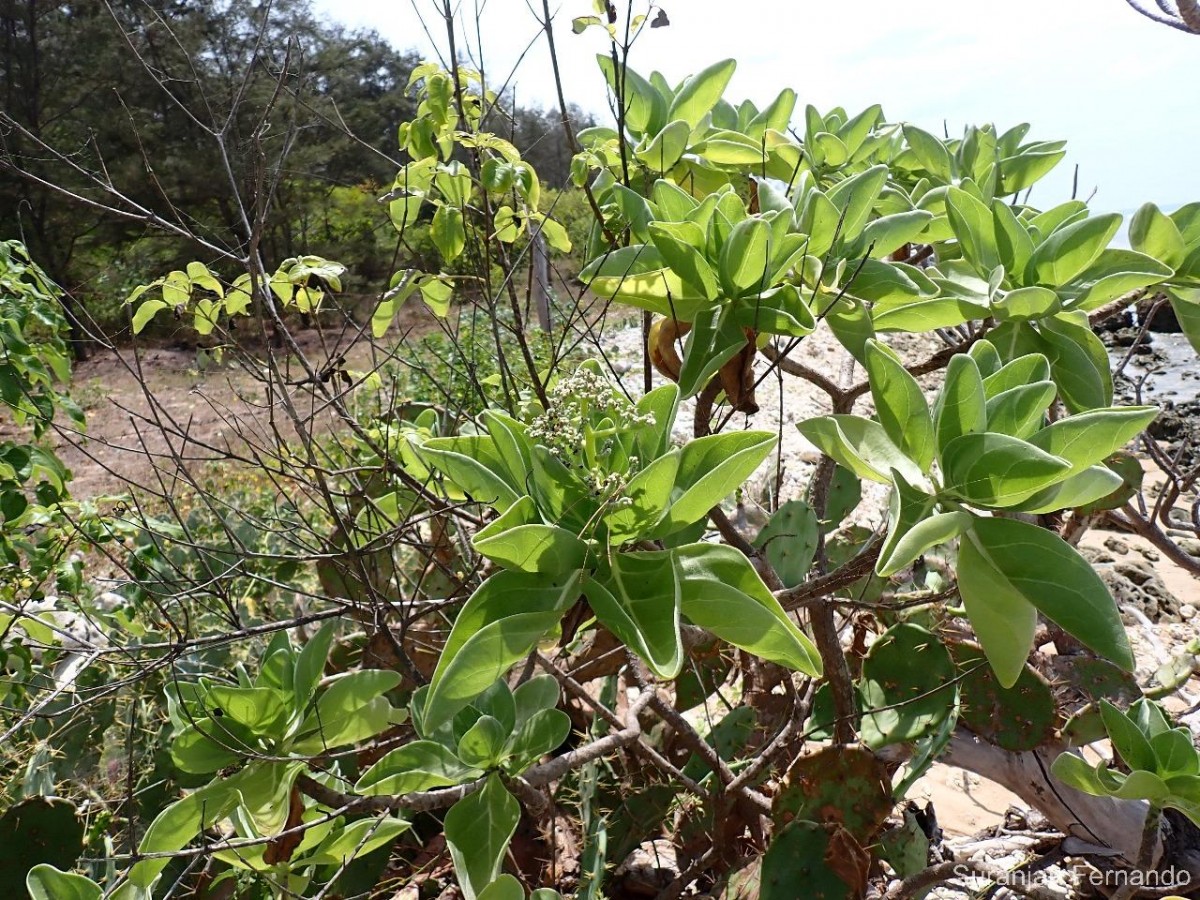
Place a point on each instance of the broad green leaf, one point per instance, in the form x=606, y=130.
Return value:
x=505, y=887
x=712, y=342
x=1152, y=232
x=260, y=709
x=861, y=445
x=482, y=746
x=644, y=500
x=997, y=470
x=448, y=233
x=1175, y=753
x=745, y=258
x=416, y=766
x=1133, y=746
x=645, y=107
x=900, y=405
x=710, y=469
x=1003, y=619
x=177, y=825
x=685, y=258
x=1186, y=304
x=820, y=220
x=44, y=882
x=1079, y=362
x=850, y=322
x=638, y=600
x=1073, y=771
x=1086, y=439
x=356, y=840
x=939, y=529
x=907, y=506
x=700, y=93
x=147, y=311
x=473, y=464
x=1020, y=411
x=542, y=733
x=1022, y=171
x=855, y=199
x=885, y=235
x=961, y=407
x=478, y=828
x=310, y=665
x=930, y=152
x=1081, y=489
x=1116, y=273
x=1072, y=249
x=514, y=544
x=974, y=228
x=1052, y=576
x=501, y=622
x=926, y=314
x=531, y=697
x=1013, y=242
x=1027, y=303
x=665, y=149
x=721, y=592
x=265, y=787
x=1027, y=369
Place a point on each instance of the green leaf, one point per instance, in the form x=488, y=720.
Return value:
x=416, y=766
x=1115, y=273
x=1132, y=745
x=1079, y=362
x=907, y=506
x=646, y=498
x=645, y=107
x=638, y=600
x=501, y=622
x=885, y=235
x=939, y=529
x=930, y=152
x=44, y=882
x=176, y=826
x=310, y=665
x=514, y=544
x=482, y=746
x=261, y=710
x=473, y=464
x=991, y=469
x=1003, y=619
x=665, y=149
x=1088, y=438
x=745, y=258
x=448, y=233
x=974, y=228
x=147, y=311
x=1072, y=249
x=1027, y=303
x=505, y=887
x=900, y=405
x=1020, y=411
x=1052, y=576
x=1081, y=489
x=855, y=199
x=861, y=445
x=1013, y=242
x=1023, y=370
x=478, y=828
x=710, y=469
x=700, y=93
x=541, y=733
x=1022, y=171
x=356, y=840
x=961, y=406
x=1175, y=754
x=1185, y=302
x=674, y=240
x=721, y=592
x=1155, y=234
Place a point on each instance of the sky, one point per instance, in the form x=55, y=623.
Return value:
x=1114, y=84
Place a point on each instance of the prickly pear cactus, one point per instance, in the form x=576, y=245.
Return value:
x=845, y=493
x=1018, y=718
x=807, y=861
x=790, y=541
x=838, y=786
x=1080, y=683
x=907, y=686
x=34, y=831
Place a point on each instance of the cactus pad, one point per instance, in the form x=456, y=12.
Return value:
x=1018, y=718
x=842, y=786
x=34, y=831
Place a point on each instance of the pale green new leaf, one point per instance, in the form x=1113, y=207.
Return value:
x=638, y=600
x=478, y=828
x=861, y=445
x=900, y=405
